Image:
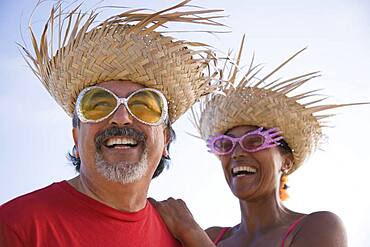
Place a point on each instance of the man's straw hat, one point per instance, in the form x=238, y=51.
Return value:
x=257, y=102
x=126, y=46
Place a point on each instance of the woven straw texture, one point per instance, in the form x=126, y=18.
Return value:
x=253, y=101
x=123, y=47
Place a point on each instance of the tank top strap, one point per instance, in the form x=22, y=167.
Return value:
x=221, y=235
x=291, y=229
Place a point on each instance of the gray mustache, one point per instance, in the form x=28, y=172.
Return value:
x=115, y=131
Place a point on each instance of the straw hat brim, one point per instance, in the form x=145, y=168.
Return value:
x=263, y=108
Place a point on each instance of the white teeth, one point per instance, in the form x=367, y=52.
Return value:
x=244, y=169
x=120, y=141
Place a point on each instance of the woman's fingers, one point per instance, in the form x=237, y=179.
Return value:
x=181, y=223
x=175, y=214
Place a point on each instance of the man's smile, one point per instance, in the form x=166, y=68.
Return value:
x=120, y=138
x=121, y=142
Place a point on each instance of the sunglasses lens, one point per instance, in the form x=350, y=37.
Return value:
x=146, y=105
x=223, y=145
x=253, y=141
x=97, y=104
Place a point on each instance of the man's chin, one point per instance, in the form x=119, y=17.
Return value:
x=122, y=172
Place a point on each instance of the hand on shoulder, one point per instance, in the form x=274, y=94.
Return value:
x=181, y=223
x=320, y=229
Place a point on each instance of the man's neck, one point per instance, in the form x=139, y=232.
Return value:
x=130, y=197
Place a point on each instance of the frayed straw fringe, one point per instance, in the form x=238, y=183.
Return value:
x=126, y=46
x=253, y=101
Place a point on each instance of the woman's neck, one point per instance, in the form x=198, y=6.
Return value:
x=259, y=216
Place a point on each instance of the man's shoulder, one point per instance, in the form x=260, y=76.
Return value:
x=30, y=203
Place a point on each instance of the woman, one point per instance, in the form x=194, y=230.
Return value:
x=260, y=136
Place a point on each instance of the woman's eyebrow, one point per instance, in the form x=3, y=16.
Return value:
x=227, y=134
x=231, y=135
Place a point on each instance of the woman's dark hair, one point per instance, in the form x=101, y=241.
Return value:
x=164, y=162
x=285, y=147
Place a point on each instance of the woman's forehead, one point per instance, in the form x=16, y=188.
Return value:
x=240, y=130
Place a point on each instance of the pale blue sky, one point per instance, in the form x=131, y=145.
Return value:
x=36, y=134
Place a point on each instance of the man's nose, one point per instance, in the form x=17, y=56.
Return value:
x=121, y=117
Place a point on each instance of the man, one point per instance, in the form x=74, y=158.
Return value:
x=124, y=84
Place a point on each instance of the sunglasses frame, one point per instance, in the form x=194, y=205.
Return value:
x=270, y=136
x=122, y=101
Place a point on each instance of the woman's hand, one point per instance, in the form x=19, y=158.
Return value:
x=181, y=223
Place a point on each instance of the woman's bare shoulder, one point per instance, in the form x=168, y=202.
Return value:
x=214, y=231
x=322, y=228
x=322, y=219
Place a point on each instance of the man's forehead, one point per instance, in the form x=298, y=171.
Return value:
x=121, y=88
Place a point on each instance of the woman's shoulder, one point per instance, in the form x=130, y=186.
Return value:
x=214, y=231
x=322, y=219
x=217, y=232
x=321, y=228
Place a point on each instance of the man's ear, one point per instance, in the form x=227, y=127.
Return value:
x=166, y=134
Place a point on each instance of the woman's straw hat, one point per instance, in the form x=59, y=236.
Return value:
x=254, y=101
x=123, y=47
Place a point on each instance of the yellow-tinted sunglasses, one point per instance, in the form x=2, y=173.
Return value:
x=147, y=105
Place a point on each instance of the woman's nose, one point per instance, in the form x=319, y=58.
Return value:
x=238, y=151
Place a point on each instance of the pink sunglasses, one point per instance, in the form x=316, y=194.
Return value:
x=253, y=141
